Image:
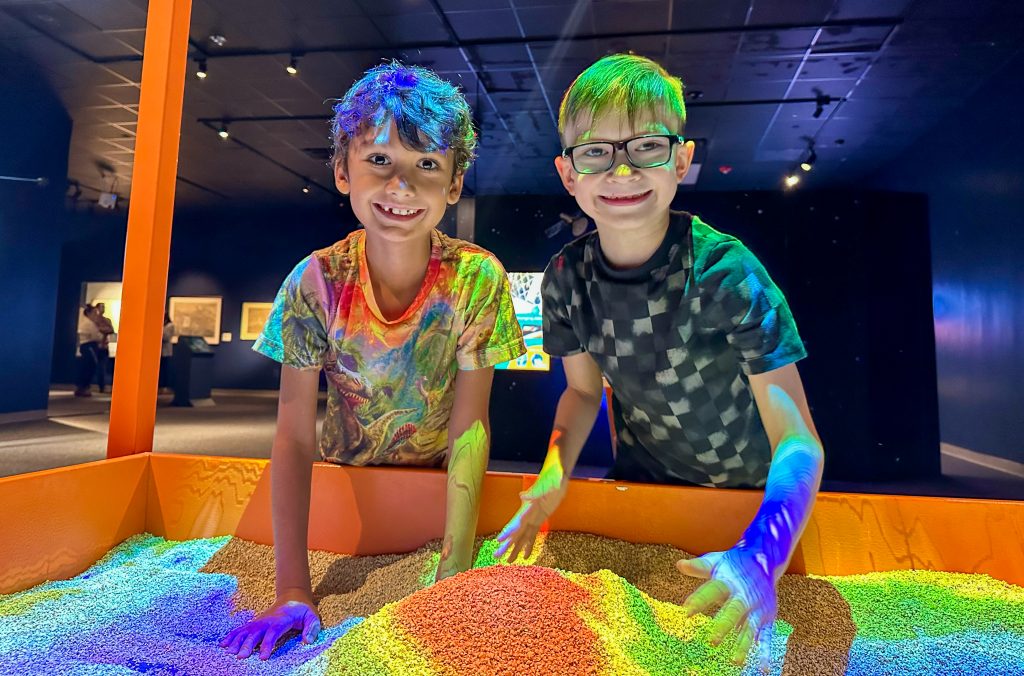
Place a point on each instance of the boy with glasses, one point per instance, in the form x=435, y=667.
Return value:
x=696, y=341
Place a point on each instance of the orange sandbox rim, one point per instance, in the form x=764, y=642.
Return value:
x=56, y=523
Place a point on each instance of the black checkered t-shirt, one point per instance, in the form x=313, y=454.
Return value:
x=676, y=339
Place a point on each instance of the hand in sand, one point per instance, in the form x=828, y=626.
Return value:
x=539, y=502
x=737, y=579
x=291, y=612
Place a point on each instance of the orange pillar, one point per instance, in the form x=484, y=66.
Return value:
x=150, y=211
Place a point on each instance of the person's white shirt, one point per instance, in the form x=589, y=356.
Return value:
x=166, y=349
x=88, y=332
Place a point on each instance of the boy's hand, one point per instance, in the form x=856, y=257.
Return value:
x=539, y=502
x=292, y=611
x=739, y=581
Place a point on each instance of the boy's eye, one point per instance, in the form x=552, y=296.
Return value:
x=429, y=164
x=379, y=160
x=595, y=151
x=648, y=145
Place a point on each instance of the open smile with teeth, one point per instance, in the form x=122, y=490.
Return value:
x=397, y=212
x=633, y=198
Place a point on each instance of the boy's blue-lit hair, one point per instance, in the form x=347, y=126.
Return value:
x=431, y=114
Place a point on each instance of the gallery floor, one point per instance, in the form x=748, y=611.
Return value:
x=242, y=424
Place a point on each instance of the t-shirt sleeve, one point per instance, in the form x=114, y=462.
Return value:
x=295, y=333
x=492, y=334
x=739, y=298
x=559, y=338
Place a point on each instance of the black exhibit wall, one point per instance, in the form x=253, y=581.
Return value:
x=971, y=167
x=36, y=133
x=855, y=268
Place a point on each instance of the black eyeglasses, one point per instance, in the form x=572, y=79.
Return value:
x=643, y=152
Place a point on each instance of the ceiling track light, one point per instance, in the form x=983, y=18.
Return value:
x=305, y=188
x=293, y=66
x=812, y=157
x=201, y=71
x=820, y=101
x=791, y=180
x=223, y=131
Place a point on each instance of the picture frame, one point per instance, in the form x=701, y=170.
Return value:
x=254, y=316
x=196, y=316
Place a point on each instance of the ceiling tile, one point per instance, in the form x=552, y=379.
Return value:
x=481, y=24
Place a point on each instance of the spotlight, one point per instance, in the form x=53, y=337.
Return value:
x=201, y=69
x=223, y=132
x=807, y=164
x=791, y=180
x=306, y=189
x=293, y=66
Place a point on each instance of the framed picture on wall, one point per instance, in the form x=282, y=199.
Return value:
x=254, y=316
x=196, y=316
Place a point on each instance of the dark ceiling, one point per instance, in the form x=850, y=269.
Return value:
x=753, y=70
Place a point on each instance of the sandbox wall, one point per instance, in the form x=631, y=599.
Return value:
x=54, y=524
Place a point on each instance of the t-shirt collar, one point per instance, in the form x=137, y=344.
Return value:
x=678, y=232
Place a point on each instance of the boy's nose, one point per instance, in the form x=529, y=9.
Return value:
x=623, y=170
x=398, y=185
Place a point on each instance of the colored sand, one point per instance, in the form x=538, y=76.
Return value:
x=143, y=608
x=152, y=606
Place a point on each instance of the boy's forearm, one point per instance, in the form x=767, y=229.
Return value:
x=467, y=465
x=574, y=418
x=290, y=477
x=789, y=496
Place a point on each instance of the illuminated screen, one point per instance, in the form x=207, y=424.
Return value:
x=526, y=300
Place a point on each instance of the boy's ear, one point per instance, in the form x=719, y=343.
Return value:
x=340, y=178
x=564, y=167
x=684, y=156
x=455, y=189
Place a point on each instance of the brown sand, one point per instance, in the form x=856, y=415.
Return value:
x=343, y=586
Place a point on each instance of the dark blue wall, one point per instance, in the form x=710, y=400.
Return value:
x=35, y=134
x=971, y=167
x=241, y=254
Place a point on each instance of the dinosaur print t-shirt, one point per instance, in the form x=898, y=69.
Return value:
x=391, y=383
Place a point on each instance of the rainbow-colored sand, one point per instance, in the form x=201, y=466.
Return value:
x=146, y=608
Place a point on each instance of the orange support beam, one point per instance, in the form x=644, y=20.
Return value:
x=150, y=212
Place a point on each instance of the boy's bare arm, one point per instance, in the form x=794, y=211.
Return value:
x=797, y=459
x=291, y=463
x=576, y=412
x=291, y=472
x=468, y=449
x=574, y=418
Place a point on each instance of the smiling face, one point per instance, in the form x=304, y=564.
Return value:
x=396, y=192
x=624, y=197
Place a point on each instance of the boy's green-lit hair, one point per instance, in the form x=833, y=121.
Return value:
x=623, y=82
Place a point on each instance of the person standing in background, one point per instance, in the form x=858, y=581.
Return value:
x=166, y=350
x=89, y=339
x=106, y=328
